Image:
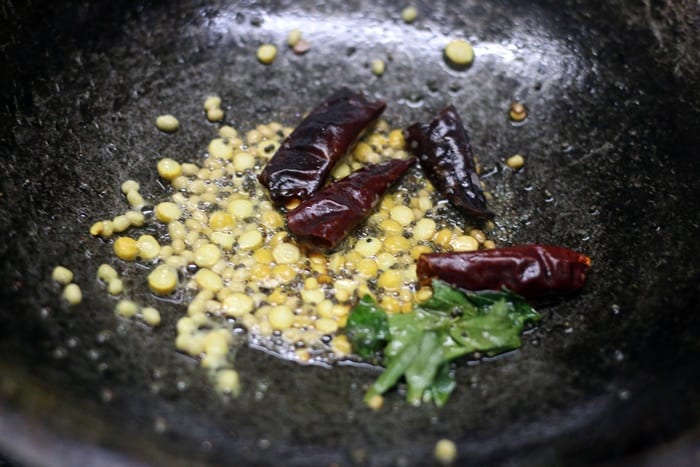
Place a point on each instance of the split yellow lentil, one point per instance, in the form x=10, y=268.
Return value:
x=293, y=37
x=106, y=273
x=240, y=208
x=135, y=199
x=219, y=148
x=378, y=67
x=126, y=248
x=228, y=132
x=148, y=247
x=62, y=275
x=515, y=162
x=150, y=316
x=212, y=105
x=207, y=255
x=208, y=280
x=375, y=402
x=129, y=186
x=488, y=244
x=127, y=308
x=445, y=452
x=281, y=317
x=101, y=228
x=169, y=169
x=167, y=212
x=409, y=14
x=464, y=243
x=459, y=52
x=212, y=102
x=115, y=286
x=267, y=53
x=402, y=214
x=215, y=114
x=72, y=294
x=517, y=112
x=228, y=381
x=163, y=280
x=167, y=123
x=120, y=223
x=136, y=218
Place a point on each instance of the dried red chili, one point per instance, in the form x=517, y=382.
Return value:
x=445, y=155
x=323, y=220
x=529, y=270
x=302, y=163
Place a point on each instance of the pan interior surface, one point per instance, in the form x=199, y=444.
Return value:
x=611, y=170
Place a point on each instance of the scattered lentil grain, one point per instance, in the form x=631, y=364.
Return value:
x=163, y=280
x=115, y=286
x=215, y=114
x=72, y=294
x=151, y=316
x=445, y=452
x=126, y=308
x=515, y=162
x=459, y=52
x=267, y=53
x=517, y=112
x=378, y=67
x=228, y=381
x=167, y=123
x=62, y=275
x=169, y=169
x=212, y=102
x=293, y=37
x=106, y=273
x=409, y=14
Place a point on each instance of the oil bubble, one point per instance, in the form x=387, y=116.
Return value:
x=103, y=336
x=264, y=443
x=159, y=425
x=107, y=395
x=618, y=356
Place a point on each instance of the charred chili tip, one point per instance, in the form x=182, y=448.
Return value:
x=323, y=220
x=445, y=156
x=305, y=158
x=529, y=270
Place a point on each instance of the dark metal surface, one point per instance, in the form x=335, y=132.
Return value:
x=611, y=146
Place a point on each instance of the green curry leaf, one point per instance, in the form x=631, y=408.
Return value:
x=419, y=346
x=367, y=328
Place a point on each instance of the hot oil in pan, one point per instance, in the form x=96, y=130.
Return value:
x=288, y=302
x=223, y=248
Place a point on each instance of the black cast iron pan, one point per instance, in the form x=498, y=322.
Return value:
x=611, y=145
